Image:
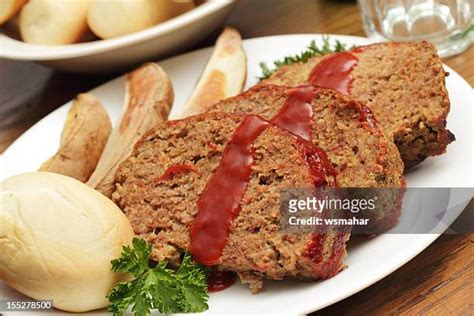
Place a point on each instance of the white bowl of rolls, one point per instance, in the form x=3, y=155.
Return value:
x=104, y=36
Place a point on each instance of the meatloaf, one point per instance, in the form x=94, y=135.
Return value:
x=402, y=83
x=204, y=185
x=344, y=128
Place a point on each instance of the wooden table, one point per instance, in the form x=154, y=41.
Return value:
x=438, y=281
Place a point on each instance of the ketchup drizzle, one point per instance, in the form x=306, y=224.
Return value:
x=367, y=116
x=296, y=115
x=175, y=170
x=219, y=280
x=334, y=72
x=319, y=165
x=219, y=203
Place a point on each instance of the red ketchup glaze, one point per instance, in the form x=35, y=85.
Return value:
x=366, y=115
x=334, y=72
x=219, y=203
x=318, y=163
x=174, y=170
x=296, y=115
x=368, y=120
x=314, y=250
x=360, y=49
x=328, y=268
x=220, y=280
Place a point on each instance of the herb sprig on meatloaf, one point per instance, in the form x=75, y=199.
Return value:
x=311, y=51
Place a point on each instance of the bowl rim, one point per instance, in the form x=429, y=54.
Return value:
x=14, y=49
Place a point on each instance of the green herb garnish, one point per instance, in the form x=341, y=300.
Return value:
x=311, y=51
x=167, y=290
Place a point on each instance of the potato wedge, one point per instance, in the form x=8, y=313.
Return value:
x=83, y=139
x=148, y=100
x=9, y=8
x=223, y=77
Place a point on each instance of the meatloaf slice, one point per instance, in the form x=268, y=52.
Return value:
x=161, y=184
x=342, y=127
x=402, y=83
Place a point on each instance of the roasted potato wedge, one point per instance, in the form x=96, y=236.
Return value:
x=83, y=139
x=223, y=77
x=148, y=100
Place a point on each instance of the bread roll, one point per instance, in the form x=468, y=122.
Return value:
x=9, y=8
x=57, y=238
x=112, y=18
x=54, y=22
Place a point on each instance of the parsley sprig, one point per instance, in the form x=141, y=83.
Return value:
x=160, y=288
x=311, y=51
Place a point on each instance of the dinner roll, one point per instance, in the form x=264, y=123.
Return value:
x=112, y=18
x=57, y=238
x=54, y=22
x=9, y=8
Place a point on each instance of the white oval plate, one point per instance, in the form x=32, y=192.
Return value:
x=368, y=260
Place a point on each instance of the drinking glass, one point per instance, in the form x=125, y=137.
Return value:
x=448, y=24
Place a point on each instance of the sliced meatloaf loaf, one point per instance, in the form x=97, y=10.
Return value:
x=345, y=129
x=210, y=184
x=402, y=83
